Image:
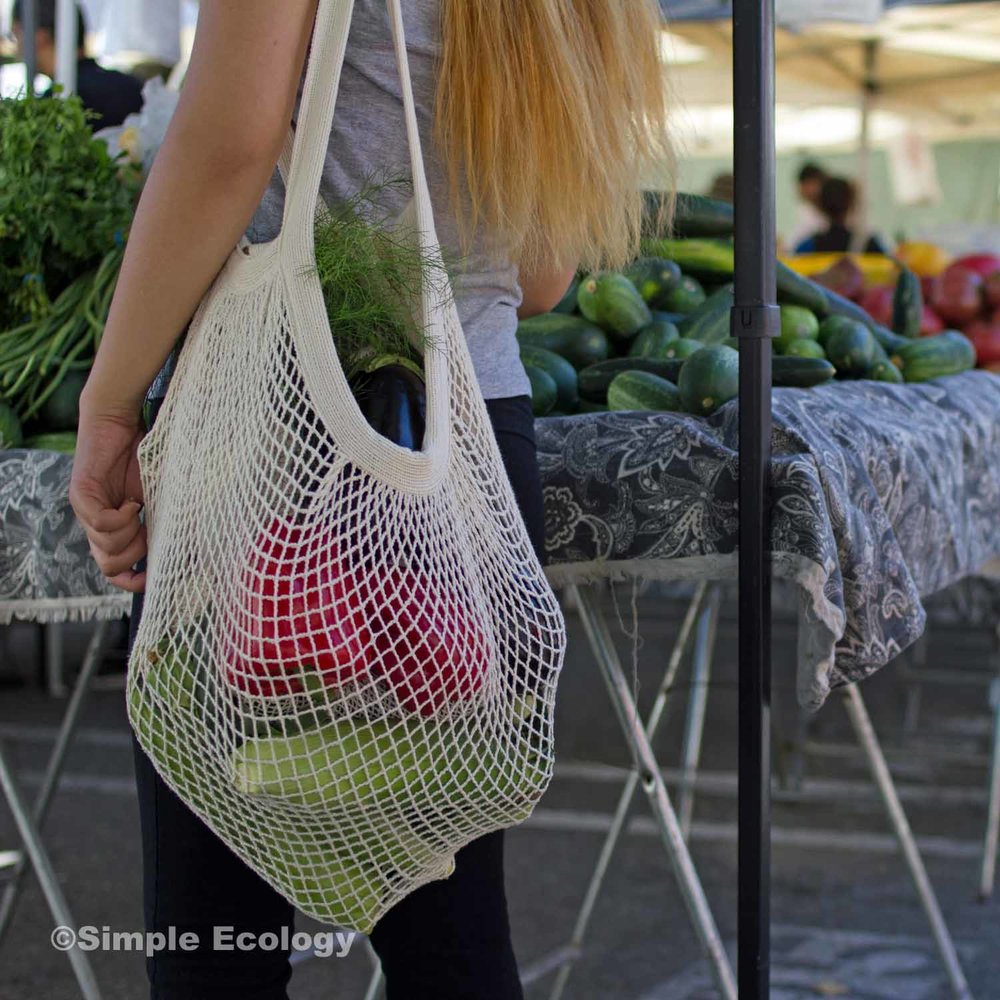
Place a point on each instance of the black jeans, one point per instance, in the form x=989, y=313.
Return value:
x=448, y=940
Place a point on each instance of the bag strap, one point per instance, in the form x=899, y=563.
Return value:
x=302, y=164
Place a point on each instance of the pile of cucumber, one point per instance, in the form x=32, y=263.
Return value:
x=657, y=335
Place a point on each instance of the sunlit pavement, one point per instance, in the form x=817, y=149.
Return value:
x=846, y=922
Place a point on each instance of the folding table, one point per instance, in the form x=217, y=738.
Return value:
x=47, y=576
x=863, y=475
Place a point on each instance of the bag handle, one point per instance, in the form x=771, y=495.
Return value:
x=302, y=164
x=295, y=246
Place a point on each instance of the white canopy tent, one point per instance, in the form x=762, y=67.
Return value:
x=933, y=69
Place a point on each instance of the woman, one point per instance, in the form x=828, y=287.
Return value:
x=537, y=116
x=837, y=198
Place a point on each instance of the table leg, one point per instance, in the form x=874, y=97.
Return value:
x=53, y=643
x=915, y=684
x=988, y=871
x=652, y=782
x=568, y=955
x=865, y=732
x=47, y=878
x=53, y=769
x=694, y=726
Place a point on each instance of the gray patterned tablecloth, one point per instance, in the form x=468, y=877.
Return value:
x=882, y=495
x=46, y=573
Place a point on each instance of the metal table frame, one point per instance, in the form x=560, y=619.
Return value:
x=701, y=618
x=29, y=820
x=915, y=676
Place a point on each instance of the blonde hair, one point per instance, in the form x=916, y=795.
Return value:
x=547, y=112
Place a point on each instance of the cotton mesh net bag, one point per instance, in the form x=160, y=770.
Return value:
x=347, y=659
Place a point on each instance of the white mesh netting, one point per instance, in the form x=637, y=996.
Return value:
x=348, y=654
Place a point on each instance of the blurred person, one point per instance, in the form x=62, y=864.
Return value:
x=837, y=201
x=809, y=219
x=111, y=95
x=722, y=188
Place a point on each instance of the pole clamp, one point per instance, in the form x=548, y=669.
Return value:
x=755, y=322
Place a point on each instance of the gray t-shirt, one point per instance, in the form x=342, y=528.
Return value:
x=368, y=141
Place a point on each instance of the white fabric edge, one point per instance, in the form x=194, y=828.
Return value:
x=53, y=610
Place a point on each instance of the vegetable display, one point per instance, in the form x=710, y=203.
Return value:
x=65, y=208
x=666, y=325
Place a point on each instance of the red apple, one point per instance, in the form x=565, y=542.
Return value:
x=991, y=290
x=983, y=264
x=985, y=337
x=930, y=323
x=877, y=302
x=844, y=278
x=958, y=297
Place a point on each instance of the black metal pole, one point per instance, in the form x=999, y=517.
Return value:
x=755, y=319
x=29, y=22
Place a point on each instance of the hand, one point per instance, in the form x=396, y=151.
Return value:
x=106, y=494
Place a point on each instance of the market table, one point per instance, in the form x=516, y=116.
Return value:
x=47, y=576
x=865, y=475
x=881, y=495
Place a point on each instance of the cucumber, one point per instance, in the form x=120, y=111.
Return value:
x=711, y=322
x=567, y=304
x=686, y=298
x=612, y=302
x=804, y=348
x=64, y=441
x=638, y=390
x=709, y=379
x=797, y=323
x=839, y=306
x=654, y=278
x=581, y=343
x=559, y=370
x=543, y=390
x=696, y=257
x=715, y=258
x=653, y=340
x=695, y=215
x=884, y=371
x=800, y=373
x=832, y=324
x=794, y=290
x=946, y=353
x=907, y=305
x=682, y=348
x=851, y=350
x=594, y=381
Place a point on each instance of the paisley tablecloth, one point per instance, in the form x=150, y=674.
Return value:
x=882, y=495
x=46, y=573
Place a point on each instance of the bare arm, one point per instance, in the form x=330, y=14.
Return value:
x=543, y=290
x=209, y=176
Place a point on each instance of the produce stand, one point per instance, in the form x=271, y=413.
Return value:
x=47, y=576
x=863, y=474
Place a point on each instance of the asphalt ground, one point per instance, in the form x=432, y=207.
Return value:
x=846, y=920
